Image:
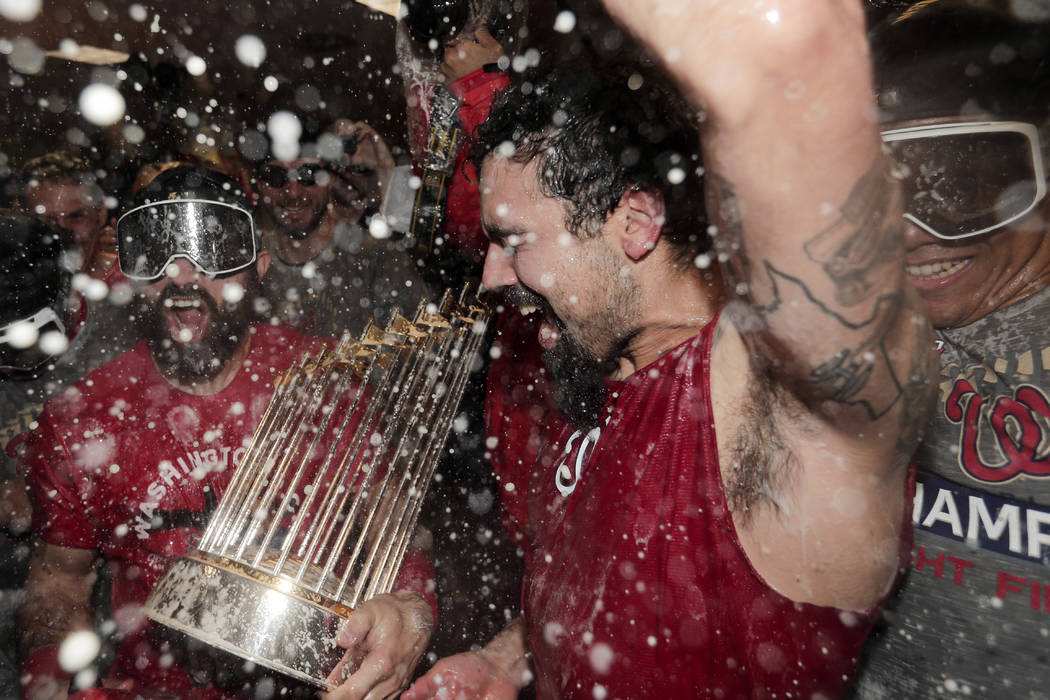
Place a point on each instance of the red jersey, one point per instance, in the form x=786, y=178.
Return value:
x=637, y=585
x=475, y=92
x=125, y=463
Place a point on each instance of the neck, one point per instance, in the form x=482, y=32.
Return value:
x=675, y=307
x=296, y=252
x=213, y=385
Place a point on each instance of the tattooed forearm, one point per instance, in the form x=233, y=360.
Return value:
x=920, y=383
x=866, y=237
x=828, y=316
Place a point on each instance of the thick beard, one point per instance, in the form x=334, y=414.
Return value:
x=579, y=387
x=190, y=363
x=577, y=376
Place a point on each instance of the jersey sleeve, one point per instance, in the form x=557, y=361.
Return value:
x=417, y=575
x=60, y=516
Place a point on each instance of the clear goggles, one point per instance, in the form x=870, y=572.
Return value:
x=968, y=178
x=30, y=342
x=218, y=238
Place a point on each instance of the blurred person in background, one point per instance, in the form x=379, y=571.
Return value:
x=332, y=271
x=63, y=188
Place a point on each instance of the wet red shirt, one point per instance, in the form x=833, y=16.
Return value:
x=127, y=464
x=637, y=585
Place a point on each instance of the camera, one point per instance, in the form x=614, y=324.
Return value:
x=349, y=144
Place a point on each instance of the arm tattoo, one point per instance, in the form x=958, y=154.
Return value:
x=855, y=253
x=883, y=361
x=854, y=249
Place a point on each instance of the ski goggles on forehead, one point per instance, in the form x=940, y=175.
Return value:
x=307, y=175
x=218, y=238
x=968, y=178
x=20, y=341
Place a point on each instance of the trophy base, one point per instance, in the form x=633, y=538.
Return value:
x=266, y=620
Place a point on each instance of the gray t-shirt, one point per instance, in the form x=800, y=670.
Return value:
x=973, y=616
x=356, y=278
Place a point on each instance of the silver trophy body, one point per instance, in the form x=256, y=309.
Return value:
x=323, y=505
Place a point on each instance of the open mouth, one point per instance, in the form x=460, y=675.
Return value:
x=187, y=318
x=549, y=332
x=292, y=210
x=936, y=271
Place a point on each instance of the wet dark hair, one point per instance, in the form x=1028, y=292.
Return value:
x=958, y=57
x=595, y=132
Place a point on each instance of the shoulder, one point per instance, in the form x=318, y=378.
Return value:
x=117, y=376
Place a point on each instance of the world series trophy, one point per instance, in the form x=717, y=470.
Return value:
x=321, y=510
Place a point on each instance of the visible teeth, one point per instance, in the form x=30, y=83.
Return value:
x=185, y=303
x=526, y=310
x=937, y=270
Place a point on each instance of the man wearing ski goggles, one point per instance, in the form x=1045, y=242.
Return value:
x=197, y=384
x=968, y=178
x=217, y=237
x=974, y=194
x=964, y=95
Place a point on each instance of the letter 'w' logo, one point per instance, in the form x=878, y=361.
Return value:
x=1002, y=437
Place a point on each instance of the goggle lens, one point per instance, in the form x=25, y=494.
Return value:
x=963, y=180
x=218, y=238
x=307, y=175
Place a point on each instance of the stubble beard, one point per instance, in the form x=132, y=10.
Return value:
x=299, y=233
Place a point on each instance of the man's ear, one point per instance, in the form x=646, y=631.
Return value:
x=262, y=262
x=645, y=216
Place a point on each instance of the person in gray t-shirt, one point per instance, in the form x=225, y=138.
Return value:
x=965, y=100
x=330, y=273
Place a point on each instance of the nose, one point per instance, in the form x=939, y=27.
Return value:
x=187, y=272
x=498, y=271
x=293, y=187
x=915, y=237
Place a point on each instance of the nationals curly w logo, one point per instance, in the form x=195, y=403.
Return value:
x=1002, y=437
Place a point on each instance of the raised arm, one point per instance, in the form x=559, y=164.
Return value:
x=808, y=214
x=831, y=337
